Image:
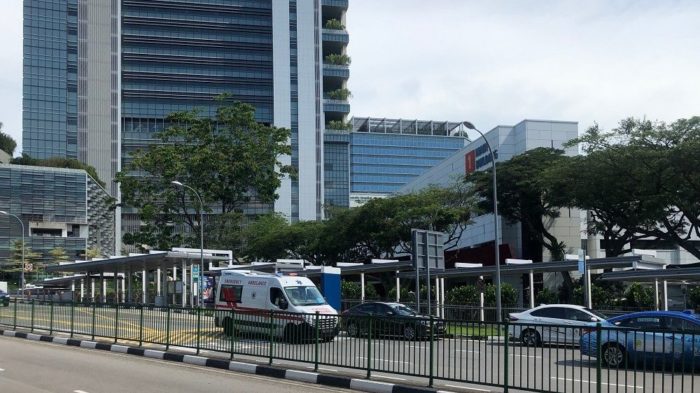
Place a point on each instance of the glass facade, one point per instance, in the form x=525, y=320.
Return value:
x=336, y=167
x=49, y=106
x=59, y=208
x=382, y=163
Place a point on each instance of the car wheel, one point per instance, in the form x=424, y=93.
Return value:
x=353, y=330
x=614, y=355
x=409, y=332
x=228, y=327
x=530, y=338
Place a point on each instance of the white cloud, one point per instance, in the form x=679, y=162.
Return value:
x=11, y=69
x=499, y=62
x=492, y=62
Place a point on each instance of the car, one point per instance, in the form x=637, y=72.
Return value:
x=389, y=319
x=651, y=337
x=552, y=323
x=4, y=298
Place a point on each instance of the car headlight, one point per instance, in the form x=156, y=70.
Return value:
x=424, y=322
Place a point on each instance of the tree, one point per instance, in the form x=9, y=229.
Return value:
x=509, y=296
x=58, y=255
x=525, y=196
x=272, y=237
x=7, y=143
x=650, y=170
x=463, y=295
x=59, y=162
x=351, y=290
x=13, y=265
x=639, y=296
x=231, y=160
x=92, y=252
x=694, y=297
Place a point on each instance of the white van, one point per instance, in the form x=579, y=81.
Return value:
x=245, y=299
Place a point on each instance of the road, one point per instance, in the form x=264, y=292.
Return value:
x=31, y=367
x=456, y=361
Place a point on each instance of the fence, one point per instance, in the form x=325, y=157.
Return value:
x=541, y=358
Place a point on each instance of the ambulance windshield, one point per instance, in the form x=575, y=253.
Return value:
x=304, y=296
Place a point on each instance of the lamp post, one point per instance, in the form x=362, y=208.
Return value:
x=495, y=221
x=201, y=237
x=21, y=279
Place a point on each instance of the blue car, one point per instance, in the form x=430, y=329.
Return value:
x=651, y=337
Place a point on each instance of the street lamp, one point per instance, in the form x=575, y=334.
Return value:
x=495, y=221
x=201, y=237
x=21, y=279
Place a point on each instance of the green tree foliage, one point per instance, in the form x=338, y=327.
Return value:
x=694, y=297
x=59, y=162
x=338, y=125
x=641, y=179
x=337, y=59
x=334, y=24
x=7, y=143
x=509, y=296
x=272, y=237
x=546, y=296
x=638, y=295
x=463, y=295
x=230, y=160
x=407, y=295
x=339, y=94
x=525, y=195
x=352, y=290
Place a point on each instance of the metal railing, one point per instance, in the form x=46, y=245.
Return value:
x=541, y=358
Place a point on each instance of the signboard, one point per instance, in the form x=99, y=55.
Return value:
x=470, y=162
x=428, y=249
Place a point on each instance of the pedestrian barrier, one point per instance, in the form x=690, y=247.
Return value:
x=539, y=358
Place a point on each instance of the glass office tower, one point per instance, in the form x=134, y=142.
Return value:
x=100, y=77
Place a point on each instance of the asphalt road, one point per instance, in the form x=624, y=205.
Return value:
x=457, y=361
x=31, y=367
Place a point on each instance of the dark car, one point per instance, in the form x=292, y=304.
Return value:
x=4, y=298
x=389, y=319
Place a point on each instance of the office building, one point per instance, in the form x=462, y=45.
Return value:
x=507, y=141
x=377, y=156
x=59, y=207
x=100, y=77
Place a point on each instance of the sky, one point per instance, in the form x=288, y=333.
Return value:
x=492, y=62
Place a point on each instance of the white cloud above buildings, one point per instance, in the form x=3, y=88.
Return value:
x=491, y=62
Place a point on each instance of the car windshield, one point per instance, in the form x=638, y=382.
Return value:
x=304, y=296
x=400, y=309
x=597, y=314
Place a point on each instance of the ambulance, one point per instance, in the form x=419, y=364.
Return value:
x=286, y=306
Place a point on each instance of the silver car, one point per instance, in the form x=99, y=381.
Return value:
x=553, y=323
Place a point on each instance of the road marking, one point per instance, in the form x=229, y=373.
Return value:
x=604, y=383
x=392, y=378
x=79, y=391
x=2, y=369
x=467, y=388
x=384, y=360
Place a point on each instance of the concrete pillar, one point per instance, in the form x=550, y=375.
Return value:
x=82, y=289
x=129, y=294
x=144, y=279
x=93, y=295
x=184, y=283
x=442, y=297
x=481, y=301
x=532, y=289
x=192, y=292
x=123, y=288
x=398, y=287
x=116, y=287
x=102, y=287
x=158, y=293
x=362, y=287
x=656, y=295
x=589, y=296
x=665, y=287
x=437, y=297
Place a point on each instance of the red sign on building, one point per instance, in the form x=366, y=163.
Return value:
x=470, y=162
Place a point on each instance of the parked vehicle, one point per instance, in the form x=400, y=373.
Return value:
x=389, y=319
x=654, y=337
x=4, y=298
x=262, y=302
x=553, y=323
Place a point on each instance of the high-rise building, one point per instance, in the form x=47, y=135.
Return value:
x=100, y=76
x=374, y=157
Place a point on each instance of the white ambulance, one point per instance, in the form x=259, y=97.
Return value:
x=264, y=303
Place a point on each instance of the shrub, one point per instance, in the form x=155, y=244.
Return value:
x=351, y=290
x=509, y=296
x=338, y=59
x=334, y=24
x=464, y=294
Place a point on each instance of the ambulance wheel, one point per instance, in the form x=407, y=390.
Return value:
x=228, y=327
x=290, y=334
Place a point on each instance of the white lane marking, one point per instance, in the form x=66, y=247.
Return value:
x=392, y=378
x=467, y=388
x=324, y=369
x=604, y=383
x=384, y=360
x=79, y=391
x=2, y=369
